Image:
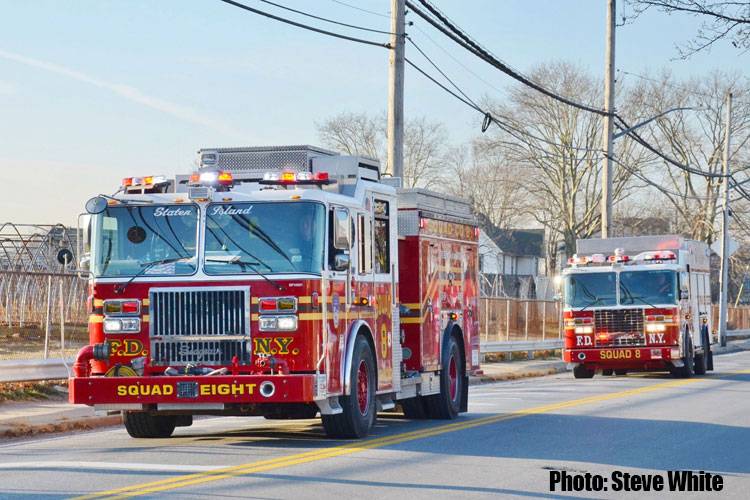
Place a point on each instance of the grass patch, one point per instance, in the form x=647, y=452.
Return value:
x=32, y=391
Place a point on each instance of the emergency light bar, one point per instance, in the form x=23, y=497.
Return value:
x=657, y=255
x=289, y=178
x=144, y=182
x=212, y=178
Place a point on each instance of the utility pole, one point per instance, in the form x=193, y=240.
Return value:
x=395, y=130
x=609, y=107
x=724, y=278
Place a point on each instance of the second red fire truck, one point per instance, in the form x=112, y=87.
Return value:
x=285, y=282
x=638, y=303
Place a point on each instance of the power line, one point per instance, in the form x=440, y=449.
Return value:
x=476, y=106
x=489, y=119
x=458, y=36
x=456, y=60
x=325, y=19
x=648, y=181
x=304, y=26
x=640, y=140
x=361, y=9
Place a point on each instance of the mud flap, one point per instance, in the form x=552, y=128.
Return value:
x=465, y=395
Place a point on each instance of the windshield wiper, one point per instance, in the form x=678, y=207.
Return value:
x=595, y=301
x=244, y=264
x=634, y=297
x=145, y=267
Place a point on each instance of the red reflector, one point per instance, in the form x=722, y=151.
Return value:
x=130, y=307
x=267, y=304
x=315, y=300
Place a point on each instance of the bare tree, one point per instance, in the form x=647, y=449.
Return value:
x=353, y=134
x=364, y=134
x=696, y=139
x=555, y=152
x=482, y=175
x=720, y=20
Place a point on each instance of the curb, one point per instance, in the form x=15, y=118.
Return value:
x=20, y=429
x=554, y=368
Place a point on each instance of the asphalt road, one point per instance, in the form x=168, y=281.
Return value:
x=515, y=436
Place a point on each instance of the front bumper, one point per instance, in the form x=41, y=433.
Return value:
x=192, y=390
x=621, y=356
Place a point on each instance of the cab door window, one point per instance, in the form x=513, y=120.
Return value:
x=381, y=237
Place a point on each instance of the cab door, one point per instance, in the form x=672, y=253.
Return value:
x=337, y=294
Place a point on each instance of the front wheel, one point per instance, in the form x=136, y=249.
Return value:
x=581, y=371
x=358, y=415
x=144, y=425
x=688, y=361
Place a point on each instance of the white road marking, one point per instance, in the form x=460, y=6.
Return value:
x=111, y=466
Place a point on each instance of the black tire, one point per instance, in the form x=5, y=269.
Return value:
x=359, y=407
x=414, y=408
x=144, y=425
x=608, y=372
x=581, y=371
x=621, y=372
x=688, y=368
x=447, y=404
x=701, y=360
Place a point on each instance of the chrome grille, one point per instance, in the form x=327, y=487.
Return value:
x=199, y=325
x=623, y=326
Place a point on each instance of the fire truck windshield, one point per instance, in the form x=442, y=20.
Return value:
x=648, y=287
x=590, y=289
x=265, y=238
x=129, y=240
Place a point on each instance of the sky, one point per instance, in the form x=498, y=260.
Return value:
x=92, y=91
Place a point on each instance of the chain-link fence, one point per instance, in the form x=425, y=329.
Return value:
x=42, y=301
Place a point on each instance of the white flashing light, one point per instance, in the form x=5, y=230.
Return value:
x=598, y=258
x=658, y=255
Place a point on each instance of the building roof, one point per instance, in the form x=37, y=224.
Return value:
x=519, y=242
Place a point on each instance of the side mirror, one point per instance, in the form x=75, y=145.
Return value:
x=684, y=295
x=341, y=262
x=96, y=205
x=341, y=229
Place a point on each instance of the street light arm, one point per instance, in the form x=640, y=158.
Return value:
x=626, y=131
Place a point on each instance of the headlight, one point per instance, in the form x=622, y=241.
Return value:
x=655, y=327
x=277, y=323
x=584, y=329
x=122, y=325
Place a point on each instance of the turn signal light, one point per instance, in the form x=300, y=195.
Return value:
x=122, y=307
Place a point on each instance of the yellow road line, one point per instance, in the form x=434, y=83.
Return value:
x=347, y=449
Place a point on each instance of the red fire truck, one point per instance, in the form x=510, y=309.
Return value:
x=638, y=303
x=282, y=282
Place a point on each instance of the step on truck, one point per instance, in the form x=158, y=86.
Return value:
x=638, y=303
x=282, y=282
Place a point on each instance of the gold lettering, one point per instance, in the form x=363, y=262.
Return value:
x=168, y=390
x=283, y=343
x=250, y=388
x=223, y=389
x=205, y=390
x=237, y=389
x=262, y=345
x=122, y=390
